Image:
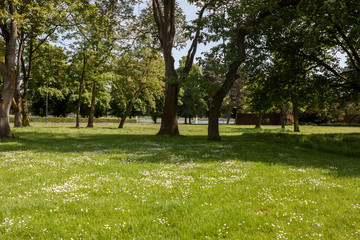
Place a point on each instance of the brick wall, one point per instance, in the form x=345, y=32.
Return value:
x=251, y=118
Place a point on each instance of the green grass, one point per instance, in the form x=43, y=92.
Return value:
x=108, y=183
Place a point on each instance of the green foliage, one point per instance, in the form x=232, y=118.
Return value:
x=192, y=100
x=50, y=75
x=137, y=76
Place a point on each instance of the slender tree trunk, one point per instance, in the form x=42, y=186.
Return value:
x=92, y=108
x=282, y=117
x=17, y=111
x=229, y=115
x=259, y=119
x=27, y=75
x=190, y=120
x=296, y=117
x=236, y=115
x=129, y=108
x=25, y=108
x=17, y=99
x=7, y=70
x=80, y=92
x=185, y=120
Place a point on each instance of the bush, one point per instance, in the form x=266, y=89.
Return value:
x=266, y=121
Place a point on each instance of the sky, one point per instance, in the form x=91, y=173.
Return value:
x=191, y=14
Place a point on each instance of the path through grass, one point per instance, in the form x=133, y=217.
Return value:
x=108, y=183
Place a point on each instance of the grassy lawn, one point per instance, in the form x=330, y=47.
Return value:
x=108, y=183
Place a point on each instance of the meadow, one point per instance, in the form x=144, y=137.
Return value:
x=58, y=182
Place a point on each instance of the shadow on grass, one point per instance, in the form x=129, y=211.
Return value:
x=339, y=153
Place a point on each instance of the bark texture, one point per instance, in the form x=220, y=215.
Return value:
x=282, y=117
x=296, y=117
x=164, y=16
x=92, y=108
x=17, y=100
x=259, y=120
x=129, y=108
x=231, y=76
x=80, y=92
x=7, y=70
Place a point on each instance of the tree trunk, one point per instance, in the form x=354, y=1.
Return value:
x=169, y=123
x=7, y=70
x=185, y=120
x=92, y=108
x=229, y=116
x=164, y=16
x=27, y=75
x=80, y=92
x=25, y=108
x=17, y=99
x=296, y=117
x=190, y=120
x=16, y=106
x=259, y=119
x=231, y=77
x=129, y=108
x=282, y=117
x=214, y=114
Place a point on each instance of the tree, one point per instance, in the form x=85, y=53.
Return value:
x=50, y=83
x=165, y=15
x=8, y=25
x=138, y=75
x=192, y=96
x=98, y=25
x=43, y=21
x=247, y=16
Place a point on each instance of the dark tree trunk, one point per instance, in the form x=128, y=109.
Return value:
x=214, y=113
x=282, y=117
x=169, y=123
x=259, y=119
x=190, y=120
x=92, y=108
x=129, y=108
x=80, y=92
x=296, y=117
x=25, y=109
x=231, y=77
x=7, y=70
x=16, y=106
x=185, y=120
x=164, y=16
x=229, y=116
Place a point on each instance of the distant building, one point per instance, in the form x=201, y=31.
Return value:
x=267, y=118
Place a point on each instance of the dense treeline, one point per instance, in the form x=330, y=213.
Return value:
x=94, y=58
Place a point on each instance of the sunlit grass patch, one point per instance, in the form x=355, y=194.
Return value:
x=108, y=183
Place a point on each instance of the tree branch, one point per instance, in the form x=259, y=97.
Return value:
x=193, y=47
